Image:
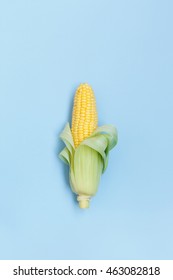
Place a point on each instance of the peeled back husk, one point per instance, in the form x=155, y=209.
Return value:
x=88, y=161
x=85, y=173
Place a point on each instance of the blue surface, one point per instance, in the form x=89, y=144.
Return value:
x=123, y=49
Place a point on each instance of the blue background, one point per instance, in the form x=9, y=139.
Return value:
x=124, y=50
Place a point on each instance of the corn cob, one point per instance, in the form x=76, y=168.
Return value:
x=84, y=117
x=87, y=146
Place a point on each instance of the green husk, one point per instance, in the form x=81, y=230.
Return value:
x=88, y=161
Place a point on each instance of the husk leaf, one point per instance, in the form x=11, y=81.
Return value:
x=89, y=160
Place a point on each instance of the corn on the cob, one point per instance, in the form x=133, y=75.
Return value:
x=87, y=146
x=84, y=117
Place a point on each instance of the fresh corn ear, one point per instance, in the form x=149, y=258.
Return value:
x=87, y=146
x=84, y=117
